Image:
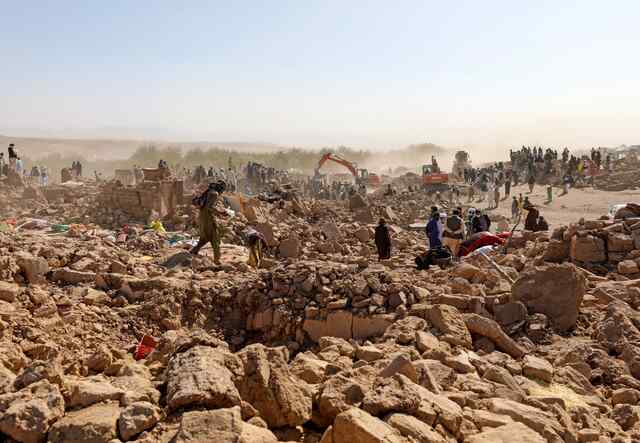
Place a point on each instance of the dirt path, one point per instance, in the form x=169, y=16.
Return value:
x=587, y=202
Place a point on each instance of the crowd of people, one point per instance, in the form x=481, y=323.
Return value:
x=533, y=166
x=12, y=162
x=260, y=175
x=337, y=190
x=201, y=175
x=73, y=173
x=462, y=231
x=37, y=175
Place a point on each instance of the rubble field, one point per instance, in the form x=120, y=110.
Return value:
x=324, y=343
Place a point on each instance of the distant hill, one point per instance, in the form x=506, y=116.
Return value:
x=106, y=155
x=113, y=149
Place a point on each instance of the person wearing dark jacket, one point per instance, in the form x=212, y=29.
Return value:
x=531, y=181
x=542, y=224
x=383, y=240
x=433, y=231
x=480, y=223
x=531, y=222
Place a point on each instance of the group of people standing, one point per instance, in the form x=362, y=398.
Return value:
x=201, y=175
x=12, y=163
x=37, y=174
x=442, y=230
x=260, y=175
x=532, y=165
x=40, y=175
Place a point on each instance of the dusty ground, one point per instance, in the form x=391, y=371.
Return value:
x=587, y=202
x=324, y=343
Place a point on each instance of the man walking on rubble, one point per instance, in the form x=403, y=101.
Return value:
x=515, y=208
x=383, y=240
x=208, y=226
x=2, y=164
x=531, y=181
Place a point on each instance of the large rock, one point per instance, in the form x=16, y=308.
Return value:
x=397, y=394
x=553, y=290
x=509, y=433
x=85, y=392
x=588, y=249
x=510, y=313
x=7, y=379
x=618, y=242
x=290, y=247
x=557, y=251
x=401, y=364
x=362, y=234
x=448, y=412
x=537, y=367
x=70, y=277
x=544, y=423
x=8, y=291
x=33, y=268
x=220, y=426
x=411, y=427
x=618, y=328
x=626, y=267
x=38, y=370
x=309, y=368
x=137, y=418
x=466, y=271
x=200, y=377
x=338, y=394
x=451, y=323
x=356, y=426
x=330, y=231
x=95, y=424
x=340, y=324
x=364, y=328
x=486, y=327
x=281, y=398
x=26, y=415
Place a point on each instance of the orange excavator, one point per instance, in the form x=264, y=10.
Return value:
x=362, y=176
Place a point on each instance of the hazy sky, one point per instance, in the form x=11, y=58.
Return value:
x=365, y=73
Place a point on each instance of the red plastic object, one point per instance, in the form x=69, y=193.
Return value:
x=145, y=347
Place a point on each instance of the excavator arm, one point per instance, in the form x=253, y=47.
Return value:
x=336, y=158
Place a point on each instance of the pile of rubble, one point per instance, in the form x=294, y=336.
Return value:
x=623, y=176
x=324, y=344
x=601, y=246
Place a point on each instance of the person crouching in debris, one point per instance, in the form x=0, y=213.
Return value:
x=383, y=240
x=255, y=242
x=207, y=223
x=542, y=224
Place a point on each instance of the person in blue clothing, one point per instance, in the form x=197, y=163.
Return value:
x=433, y=231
